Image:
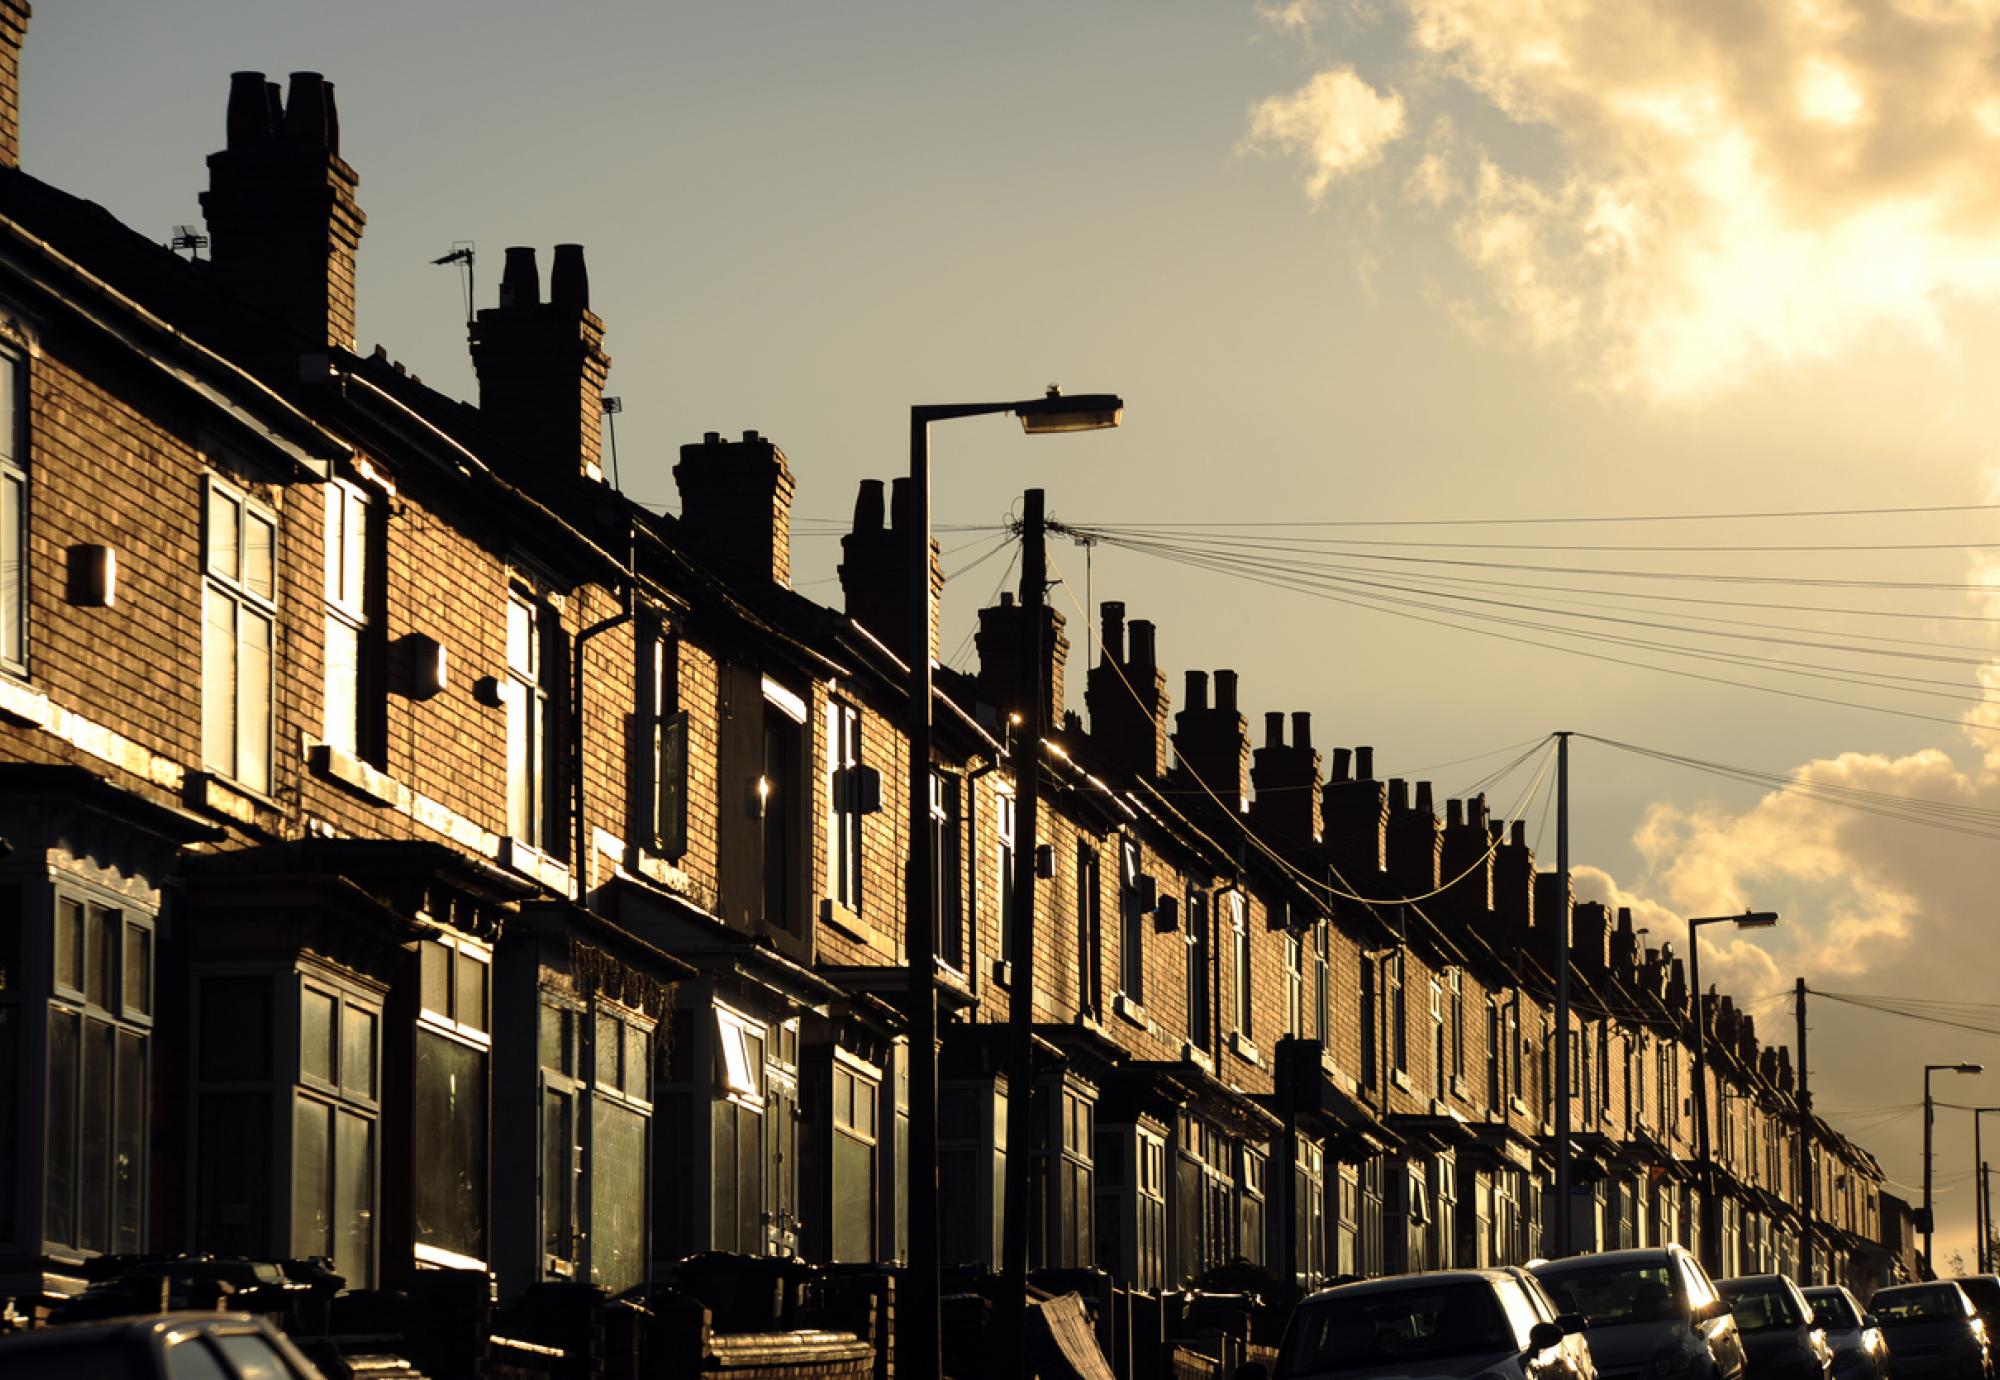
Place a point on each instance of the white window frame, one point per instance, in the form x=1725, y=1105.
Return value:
x=843, y=817
x=346, y=585
x=233, y=589
x=15, y=498
x=1239, y=925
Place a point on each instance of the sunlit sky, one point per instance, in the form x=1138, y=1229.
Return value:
x=1412, y=261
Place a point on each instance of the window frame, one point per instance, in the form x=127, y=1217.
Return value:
x=660, y=811
x=234, y=588
x=842, y=763
x=15, y=620
x=1200, y=946
x=450, y=1026
x=531, y=766
x=337, y=1097
x=1243, y=982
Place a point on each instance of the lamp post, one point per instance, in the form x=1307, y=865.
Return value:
x=1979, y=1208
x=1930, y=1213
x=918, y=1314
x=1711, y=1222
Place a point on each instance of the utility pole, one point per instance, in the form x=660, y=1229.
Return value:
x=1563, y=1233
x=1034, y=715
x=1807, y=1161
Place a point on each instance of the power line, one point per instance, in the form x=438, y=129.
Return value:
x=1627, y=517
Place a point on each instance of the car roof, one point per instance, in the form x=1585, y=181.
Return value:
x=1642, y=1255
x=1820, y=1291
x=1917, y=1284
x=1761, y=1281
x=1392, y=1283
x=130, y=1328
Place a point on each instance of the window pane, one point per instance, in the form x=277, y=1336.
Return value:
x=100, y=954
x=520, y=762
x=853, y=1199
x=608, y=1048
x=638, y=1063
x=357, y=1051
x=128, y=1169
x=312, y=1177
x=436, y=977
x=224, y=517
x=259, y=552
x=192, y=1360
x=470, y=991
x=253, y=1357
x=138, y=995
x=253, y=713
x=65, y=1037
x=520, y=637
x=69, y=945
x=218, y=682
x=450, y=1103
x=618, y=1197
x=10, y=403
x=558, y=1173
x=94, y=1160
x=13, y=570
x=233, y=1174
x=317, y=1013
x=343, y=672
x=354, y=1200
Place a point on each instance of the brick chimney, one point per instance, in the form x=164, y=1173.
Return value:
x=542, y=365
x=1590, y=938
x=873, y=558
x=1624, y=947
x=1355, y=814
x=1126, y=694
x=1514, y=885
x=1002, y=641
x=1415, y=841
x=1551, y=905
x=1213, y=744
x=1676, y=996
x=283, y=224
x=14, y=15
x=1470, y=840
x=1287, y=778
x=736, y=506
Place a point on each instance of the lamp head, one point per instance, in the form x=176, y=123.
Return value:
x=1756, y=920
x=1053, y=412
x=1968, y=1068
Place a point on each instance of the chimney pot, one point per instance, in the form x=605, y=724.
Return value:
x=1274, y=729
x=1225, y=691
x=711, y=438
x=1364, y=764
x=308, y=112
x=751, y=437
x=1424, y=798
x=1517, y=833
x=1197, y=690
x=867, y=503
x=569, y=280
x=1454, y=813
x=899, y=505
x=1302, y=728
x=520, y=280
x=1113, y=635
x=1006, y=598
x=1341, y=758
x=249, y=118
x=1142, y=657
x=1399, y=794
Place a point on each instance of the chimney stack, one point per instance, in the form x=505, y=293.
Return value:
x=1126, y=693
x=1414, y=840
x=284, y=226
x=736, y=506
x=1514, y=885
x=1287, y=804
x=1002, y=645
x=1469, y=852
x=542, y=365
x=14, y=15
x=873, y=559
x=1212, y=744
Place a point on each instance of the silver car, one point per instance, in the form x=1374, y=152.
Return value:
x=1649, y=1314
x=1445, y=1325
x=166, y=1346
x=1859, y=1352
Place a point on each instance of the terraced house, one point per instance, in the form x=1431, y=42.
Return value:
x=422, y=857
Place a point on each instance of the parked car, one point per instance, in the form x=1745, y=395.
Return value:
x=1649, y=1314
x=1446, y=1325
x=1984, y=1291
x=165, y=1346
x=1781, y=1338
x=1933, y=1331
x=1859, y=1351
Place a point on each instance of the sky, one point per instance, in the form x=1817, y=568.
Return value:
x=1384, y=261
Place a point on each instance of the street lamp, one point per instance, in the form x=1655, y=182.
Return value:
x=1980, y=1211
x=1050, y=414
x=1930, y=1213
x=1711, y=1224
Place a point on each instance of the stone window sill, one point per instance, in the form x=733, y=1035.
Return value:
x=1245, y=1048
x=1131, y=1011
x=345, y=769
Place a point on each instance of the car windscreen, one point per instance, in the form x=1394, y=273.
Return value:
x=1611, y=1294
x=1933, y=1303
x=1395, y=1327
x=1833, y=1311
x=1761, y=1307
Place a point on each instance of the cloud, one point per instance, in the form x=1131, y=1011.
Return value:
x=1336, y=124
x=1677, y=197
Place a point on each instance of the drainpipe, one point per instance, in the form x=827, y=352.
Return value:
x=580, y=859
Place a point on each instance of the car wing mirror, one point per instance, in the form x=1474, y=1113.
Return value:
x=1710, y=1311
x=1572, y=1323
x=1544, y=1335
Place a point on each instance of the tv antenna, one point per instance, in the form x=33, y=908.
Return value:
x=187, y=238
x=612, y=407
x=462, y=255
